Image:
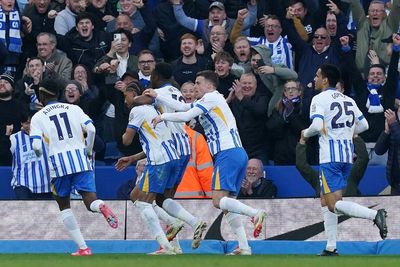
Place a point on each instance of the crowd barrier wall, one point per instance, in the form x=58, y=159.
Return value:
x=288, y=180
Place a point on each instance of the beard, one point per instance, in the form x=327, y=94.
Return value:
x=5, y=94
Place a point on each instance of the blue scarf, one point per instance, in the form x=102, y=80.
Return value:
x=14, y=28
x=373, y=101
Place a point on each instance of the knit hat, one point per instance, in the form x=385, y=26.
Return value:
x=7, y=76
x=164, y=70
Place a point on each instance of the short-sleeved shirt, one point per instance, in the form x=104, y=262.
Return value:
x=340, y=115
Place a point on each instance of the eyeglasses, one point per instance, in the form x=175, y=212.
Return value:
x=291, y=89
x=146, y=62
x=217, y=33
x=376, y=11
x=272, y=26
x=322, y=37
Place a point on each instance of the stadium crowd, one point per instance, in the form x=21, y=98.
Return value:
x=265, y=53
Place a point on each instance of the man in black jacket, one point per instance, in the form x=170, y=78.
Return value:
x=250, y=111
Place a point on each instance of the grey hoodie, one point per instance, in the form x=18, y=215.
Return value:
x=274, y=82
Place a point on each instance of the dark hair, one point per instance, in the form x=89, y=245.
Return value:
x=35, y=58
x=134, y=86
x=223, y=56
x=146, y=51
x=209, y=76
x=332, y=73
x=127, y=33
x=377, y=66
x=293, y=2
x=27, y=115
x=50, y=88
x=84, y=15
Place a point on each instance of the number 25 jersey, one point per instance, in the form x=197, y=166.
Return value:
x=340, y=115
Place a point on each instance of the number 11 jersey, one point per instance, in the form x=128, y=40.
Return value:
x=61, y=126
x=340, y=115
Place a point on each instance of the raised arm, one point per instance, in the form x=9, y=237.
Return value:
x=187, y=22
x=252, y=17
x=170, y=102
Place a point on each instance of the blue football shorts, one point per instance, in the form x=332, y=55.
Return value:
x=333, y=176
x=155, y=177
x=229, y=170
x=81, y=181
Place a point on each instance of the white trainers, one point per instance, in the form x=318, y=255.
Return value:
x=239, y=251
x=174, y=229
x=198, y=233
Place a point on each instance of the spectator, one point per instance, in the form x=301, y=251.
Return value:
x=31, y=177
x=241, y=64
x=141, y=37
x=27, y=89
x=115, y=95
x=389, y=141
x=254, y=185
x=311, y=56
x=147, y=63
x=11, y=27
x=65, y=20
x=216, y=16
x=42, y=14
x=190, y=63
x=250, y=111
x=118, y=60
x=285, y=124
x=372, y=29
x=222, y=63
x=11, y=111
x=188, y=93
x=282, y=53
x=375, y=95
x=126, y=188
x=272, y=76
x=55, y=61
x=83, y=44
x=102, y=12
x=218, y=42
x=130, y=8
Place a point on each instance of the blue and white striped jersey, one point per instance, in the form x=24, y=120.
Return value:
x=218, y=122
x=28, y=170
x=61, y=126
x=179, y=134
x=340, y=116
x=281, y=49
x=156, y=142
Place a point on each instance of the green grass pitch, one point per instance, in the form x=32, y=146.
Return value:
x=140, y=260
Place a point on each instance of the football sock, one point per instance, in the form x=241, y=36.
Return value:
x=235, y=222
x=151, y=220
x=330, y=225
x=354, y=210
x=95, y=205
x=163, y=215
x=176, y=210
x=71, y=224
x=235, y=206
